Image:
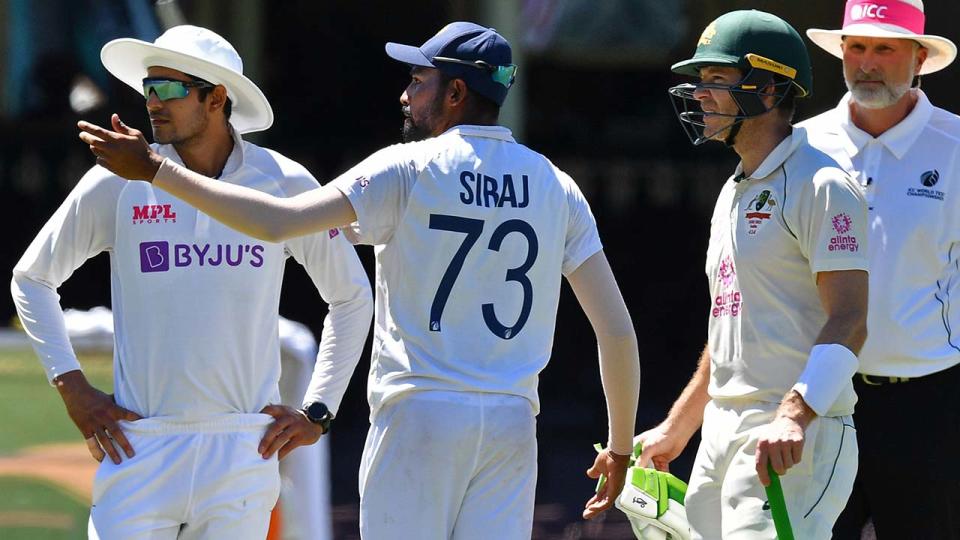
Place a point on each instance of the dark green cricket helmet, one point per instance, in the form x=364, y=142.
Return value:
x=751, y=39
x=765, y=47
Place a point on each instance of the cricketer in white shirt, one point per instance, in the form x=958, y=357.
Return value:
x=771, y=233
x=797, y=215
x=196, y=350
x=472, y=232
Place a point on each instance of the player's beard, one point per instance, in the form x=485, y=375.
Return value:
x=877, y=96
x=418, y=130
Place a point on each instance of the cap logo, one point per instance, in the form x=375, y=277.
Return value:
x=767, y=64
x=707, y=36
x=888, y=12
x=867, y=11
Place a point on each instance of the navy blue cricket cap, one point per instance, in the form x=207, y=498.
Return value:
x=478, y=55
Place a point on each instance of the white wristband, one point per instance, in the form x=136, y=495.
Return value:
x=829, y=369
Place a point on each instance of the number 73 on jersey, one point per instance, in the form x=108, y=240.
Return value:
x=473, y=228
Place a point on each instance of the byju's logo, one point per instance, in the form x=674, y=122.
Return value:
x=154, y=256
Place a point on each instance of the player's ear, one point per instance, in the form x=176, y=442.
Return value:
x=217, y=97
x=456, y=92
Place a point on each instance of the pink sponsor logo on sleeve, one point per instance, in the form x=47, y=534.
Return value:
x=842, y=223
x=728, y=301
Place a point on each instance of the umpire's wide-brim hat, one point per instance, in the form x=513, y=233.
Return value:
x=198, y=52
x=898, y=19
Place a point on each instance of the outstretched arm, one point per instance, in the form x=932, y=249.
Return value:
x=126, y=153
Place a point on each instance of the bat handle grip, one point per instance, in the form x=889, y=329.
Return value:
x=778, y=506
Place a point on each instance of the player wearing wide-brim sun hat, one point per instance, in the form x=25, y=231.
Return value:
x=898, y=19
x=769, y=52
x=198, y=52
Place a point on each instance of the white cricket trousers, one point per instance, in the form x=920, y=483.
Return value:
x=725, y=498
x=449, y=465
x=187, y=481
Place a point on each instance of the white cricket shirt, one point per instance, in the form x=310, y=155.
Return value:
x=911, y=179
x=195, y=303
x=771, y=233
x=472, y=232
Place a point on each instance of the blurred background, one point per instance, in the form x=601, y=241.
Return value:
x=591, y=95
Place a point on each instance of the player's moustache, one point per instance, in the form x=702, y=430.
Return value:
x=867, y=77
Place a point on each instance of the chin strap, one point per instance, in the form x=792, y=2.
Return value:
x=731, y=137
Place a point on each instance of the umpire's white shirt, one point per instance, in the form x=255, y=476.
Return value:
x=771, y=233
x=195, y=303
x=472, y=231
x=911, y=178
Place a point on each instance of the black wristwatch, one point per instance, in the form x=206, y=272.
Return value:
x=318, y=413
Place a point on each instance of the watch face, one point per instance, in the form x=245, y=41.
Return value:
x=317, y=411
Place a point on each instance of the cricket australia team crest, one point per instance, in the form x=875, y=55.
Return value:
x=759, y=211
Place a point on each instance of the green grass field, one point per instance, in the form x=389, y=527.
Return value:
x=32, y=414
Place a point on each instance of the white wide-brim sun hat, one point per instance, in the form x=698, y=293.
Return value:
x=195, y=51
x=898, y=19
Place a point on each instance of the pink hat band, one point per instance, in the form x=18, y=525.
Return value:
x=884, y=12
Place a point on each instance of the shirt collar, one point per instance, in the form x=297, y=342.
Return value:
x=234, y=162
x=776, y=158
x=897, y=139
x=490, y=132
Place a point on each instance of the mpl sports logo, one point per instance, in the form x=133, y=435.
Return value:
x=927, y=180
x=157, y=256
x=759, y=211
x=154, y=213
x=842, y=223
x=728, y=301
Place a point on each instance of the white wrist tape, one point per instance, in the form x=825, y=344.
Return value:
x=829, y=369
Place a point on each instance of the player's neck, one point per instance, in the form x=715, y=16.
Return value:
x=208, y=153
x=877, y=121
x=756, y=140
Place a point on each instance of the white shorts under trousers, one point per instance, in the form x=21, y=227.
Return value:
x=725, y=498
x=198, y=480
x=459, y=465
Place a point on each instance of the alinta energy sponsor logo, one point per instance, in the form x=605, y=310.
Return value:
x=154, y=213
x=927, y=180
x=759, y=210
x=159, y=257
x=728, y=301
x=842, y=223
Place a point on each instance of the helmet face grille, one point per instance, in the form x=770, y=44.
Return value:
x=748, y=94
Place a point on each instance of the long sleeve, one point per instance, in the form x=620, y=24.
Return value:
x=82, y=227
x=335, y=270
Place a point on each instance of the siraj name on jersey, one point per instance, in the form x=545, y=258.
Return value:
x=482, y=190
